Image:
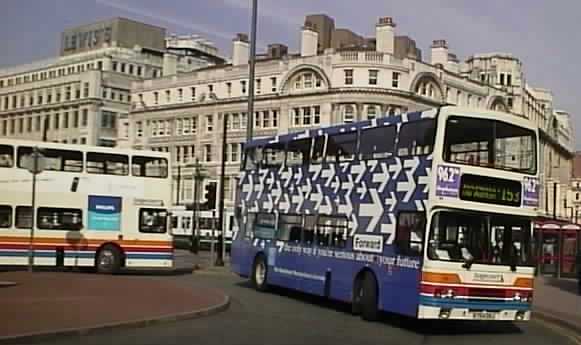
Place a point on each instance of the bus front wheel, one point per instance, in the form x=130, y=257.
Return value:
x=368, y=297
x=108, y=260
x=259, y=273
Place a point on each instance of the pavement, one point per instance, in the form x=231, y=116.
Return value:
x=50, y=304
x=558, y=301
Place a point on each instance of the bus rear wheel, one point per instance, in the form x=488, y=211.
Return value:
x=108, y=260
x=259, y=274
x=368, y=298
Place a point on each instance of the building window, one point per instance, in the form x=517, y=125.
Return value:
x=193, y=91
x=122, y=67
x=348, y=114
x=83, y=141
x=307, y=116
x=234, y=153
x=86, y=90
x=273, y=84
x=37, y=123
x=308, y=80
x=275, y=118
x=58, y=95
x=348, y=77
x=373, y=73
x=209, y=123
x=229, y=89
x=243, y=86
x=130, y=69
x=208, y=152
x=48, y=97
x=85, y=118
x=77, y=93
x=167, y=96
x=210, y=90
x=139, y=129
x=395, y=79
x=316, y=115
x=180, y=95
x=20, y=125
x=108, y=119
x=114, y=66
x=266, y=119
x=258, y=86
x=57, y=119
x=155, y=97
x=76, y=119
x=296, y=113
x=65, y=120
x=68, y=93
x=371, y=112
x=29, y=124
x=509, y=101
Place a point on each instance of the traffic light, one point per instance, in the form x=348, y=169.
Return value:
x=210, y=192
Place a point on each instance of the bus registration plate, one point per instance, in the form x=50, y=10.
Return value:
x=483, y=315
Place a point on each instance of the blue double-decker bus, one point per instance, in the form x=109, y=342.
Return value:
x=425, y=214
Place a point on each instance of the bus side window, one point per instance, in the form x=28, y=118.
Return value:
x=299, y=152
x=334, y=229
x=248, y=226
x=319, y=149
x=416, y=138
x=252, y=158
x=152, y=220
x=290, y=228
x=273, y=156
x=5, y=216
x=54, y=160
x=308, y=237
x=107, y=164
x=6, y=156
x=51, y=218
x=149, y=167
x=409, y=237
x=341, y=147
x=265, y=226
x=377, y=142
x=23, y=217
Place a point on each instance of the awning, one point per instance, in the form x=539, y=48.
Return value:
x=555, y=225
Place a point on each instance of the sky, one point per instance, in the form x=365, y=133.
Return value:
x=539, y=32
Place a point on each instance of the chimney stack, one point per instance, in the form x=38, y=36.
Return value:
x=453, y=64
x=309, y=40
x=385, y=35
x=439, y=53
x=170, y=64
x=240, y=50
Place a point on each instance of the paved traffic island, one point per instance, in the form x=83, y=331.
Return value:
x=48, y=304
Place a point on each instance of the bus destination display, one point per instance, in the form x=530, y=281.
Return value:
x=490, y=190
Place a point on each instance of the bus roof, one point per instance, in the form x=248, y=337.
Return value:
x=391, y=120
x=83, y=148
x=343, y=128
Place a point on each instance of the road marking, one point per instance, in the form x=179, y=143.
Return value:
x=576, y=339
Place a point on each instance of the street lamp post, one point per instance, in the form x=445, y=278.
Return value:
x=250, y=117
x=197, y=178
x=220, y=253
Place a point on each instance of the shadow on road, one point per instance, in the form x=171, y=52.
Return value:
x=423, y=327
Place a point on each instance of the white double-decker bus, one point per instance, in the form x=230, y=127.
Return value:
x=95, y=207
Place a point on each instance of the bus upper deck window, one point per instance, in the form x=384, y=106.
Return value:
x=341, y=147
x=149, y=166
x=416, y=138
x=6, y=156
x=299, y=152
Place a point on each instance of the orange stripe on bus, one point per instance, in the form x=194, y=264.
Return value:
x=82, y=241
